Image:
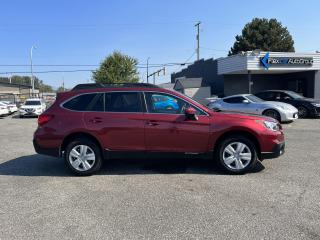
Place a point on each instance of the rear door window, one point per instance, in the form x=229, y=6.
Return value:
x=86, y=102
x=123, y=102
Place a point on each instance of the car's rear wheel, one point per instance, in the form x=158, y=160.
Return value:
x=302, y=112
x=83, y=157
x=236, y=154
x=273, y=114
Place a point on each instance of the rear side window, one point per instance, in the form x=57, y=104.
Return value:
x=123, y=102
x=234, y=100
x=266, y=95
x=86, y=102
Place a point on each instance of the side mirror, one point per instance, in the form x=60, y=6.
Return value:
x=246, y=101
x=190, y=113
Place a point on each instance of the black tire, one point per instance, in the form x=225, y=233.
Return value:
x=92, y=146
x=302, y=112
x=273, y=114
x=249, y=164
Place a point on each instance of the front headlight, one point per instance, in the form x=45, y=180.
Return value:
x=272, y=126
x=316, y=104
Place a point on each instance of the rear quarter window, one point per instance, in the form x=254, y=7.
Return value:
x=86, y=102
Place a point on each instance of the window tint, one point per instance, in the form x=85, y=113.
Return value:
x=234, y=100
x=97, y=103
x=123, y=102
x=32, y=103
x=86, y=102
x=285, y=96
x=266, y=96
x=163, y=103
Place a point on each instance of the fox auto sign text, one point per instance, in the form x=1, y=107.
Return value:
x=268, y=61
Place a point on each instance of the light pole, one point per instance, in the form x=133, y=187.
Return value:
x=148, y=69
x=32, y=79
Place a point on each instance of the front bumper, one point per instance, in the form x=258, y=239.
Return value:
x=4, y=112
x=288, y=116
x=315, y=112
x=277, y=151
x=29, y=113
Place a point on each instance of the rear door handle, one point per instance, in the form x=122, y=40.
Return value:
x=152, y=123
x=96, y=120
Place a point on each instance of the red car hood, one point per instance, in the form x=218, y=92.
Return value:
x=242, y=116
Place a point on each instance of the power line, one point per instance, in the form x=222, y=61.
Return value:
x=214, y=49
x=52, y=71
x=89, y=65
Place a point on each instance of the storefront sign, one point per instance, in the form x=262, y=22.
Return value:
x=268, y=61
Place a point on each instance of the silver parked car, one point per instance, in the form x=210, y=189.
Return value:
x=248, y=103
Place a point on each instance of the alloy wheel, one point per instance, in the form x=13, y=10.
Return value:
x=302, y=112
x=237, y=156
x=82, y=158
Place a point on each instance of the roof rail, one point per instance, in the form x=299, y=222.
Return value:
x=112, y=85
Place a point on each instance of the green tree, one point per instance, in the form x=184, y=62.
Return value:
x=265, y=35
x=117, y=68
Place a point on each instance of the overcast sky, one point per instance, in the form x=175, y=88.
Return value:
x=84, y=32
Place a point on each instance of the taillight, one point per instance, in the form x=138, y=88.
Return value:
x=44, y=118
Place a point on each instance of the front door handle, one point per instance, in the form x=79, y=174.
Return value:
x=152, y=123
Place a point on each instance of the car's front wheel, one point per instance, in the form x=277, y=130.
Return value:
x=302, y=112
x=236, y=154
x=83, y=157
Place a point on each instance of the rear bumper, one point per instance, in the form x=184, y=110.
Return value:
x=54, y=152
x=277, y=151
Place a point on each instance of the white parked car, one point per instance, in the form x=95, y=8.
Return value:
x=11, y=106
x=32, y=107
x=248, y=103
x=3, y=109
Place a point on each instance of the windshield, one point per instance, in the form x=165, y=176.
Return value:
x=294, y=95
x=253, y=98
x=28, y=103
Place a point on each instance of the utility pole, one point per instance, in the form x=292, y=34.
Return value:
x=148, y=69
x=157, y=72
x=198, y=39
x=32, y=78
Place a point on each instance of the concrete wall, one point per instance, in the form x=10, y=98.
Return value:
x=238, y=83
x=267, y=82
x=205, y=69
x=317, y=85
x=308, y=79
x=198, y=94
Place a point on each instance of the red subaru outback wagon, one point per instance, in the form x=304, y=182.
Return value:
x=92, y=121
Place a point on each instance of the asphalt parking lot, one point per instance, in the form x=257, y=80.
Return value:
x=159, y=199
